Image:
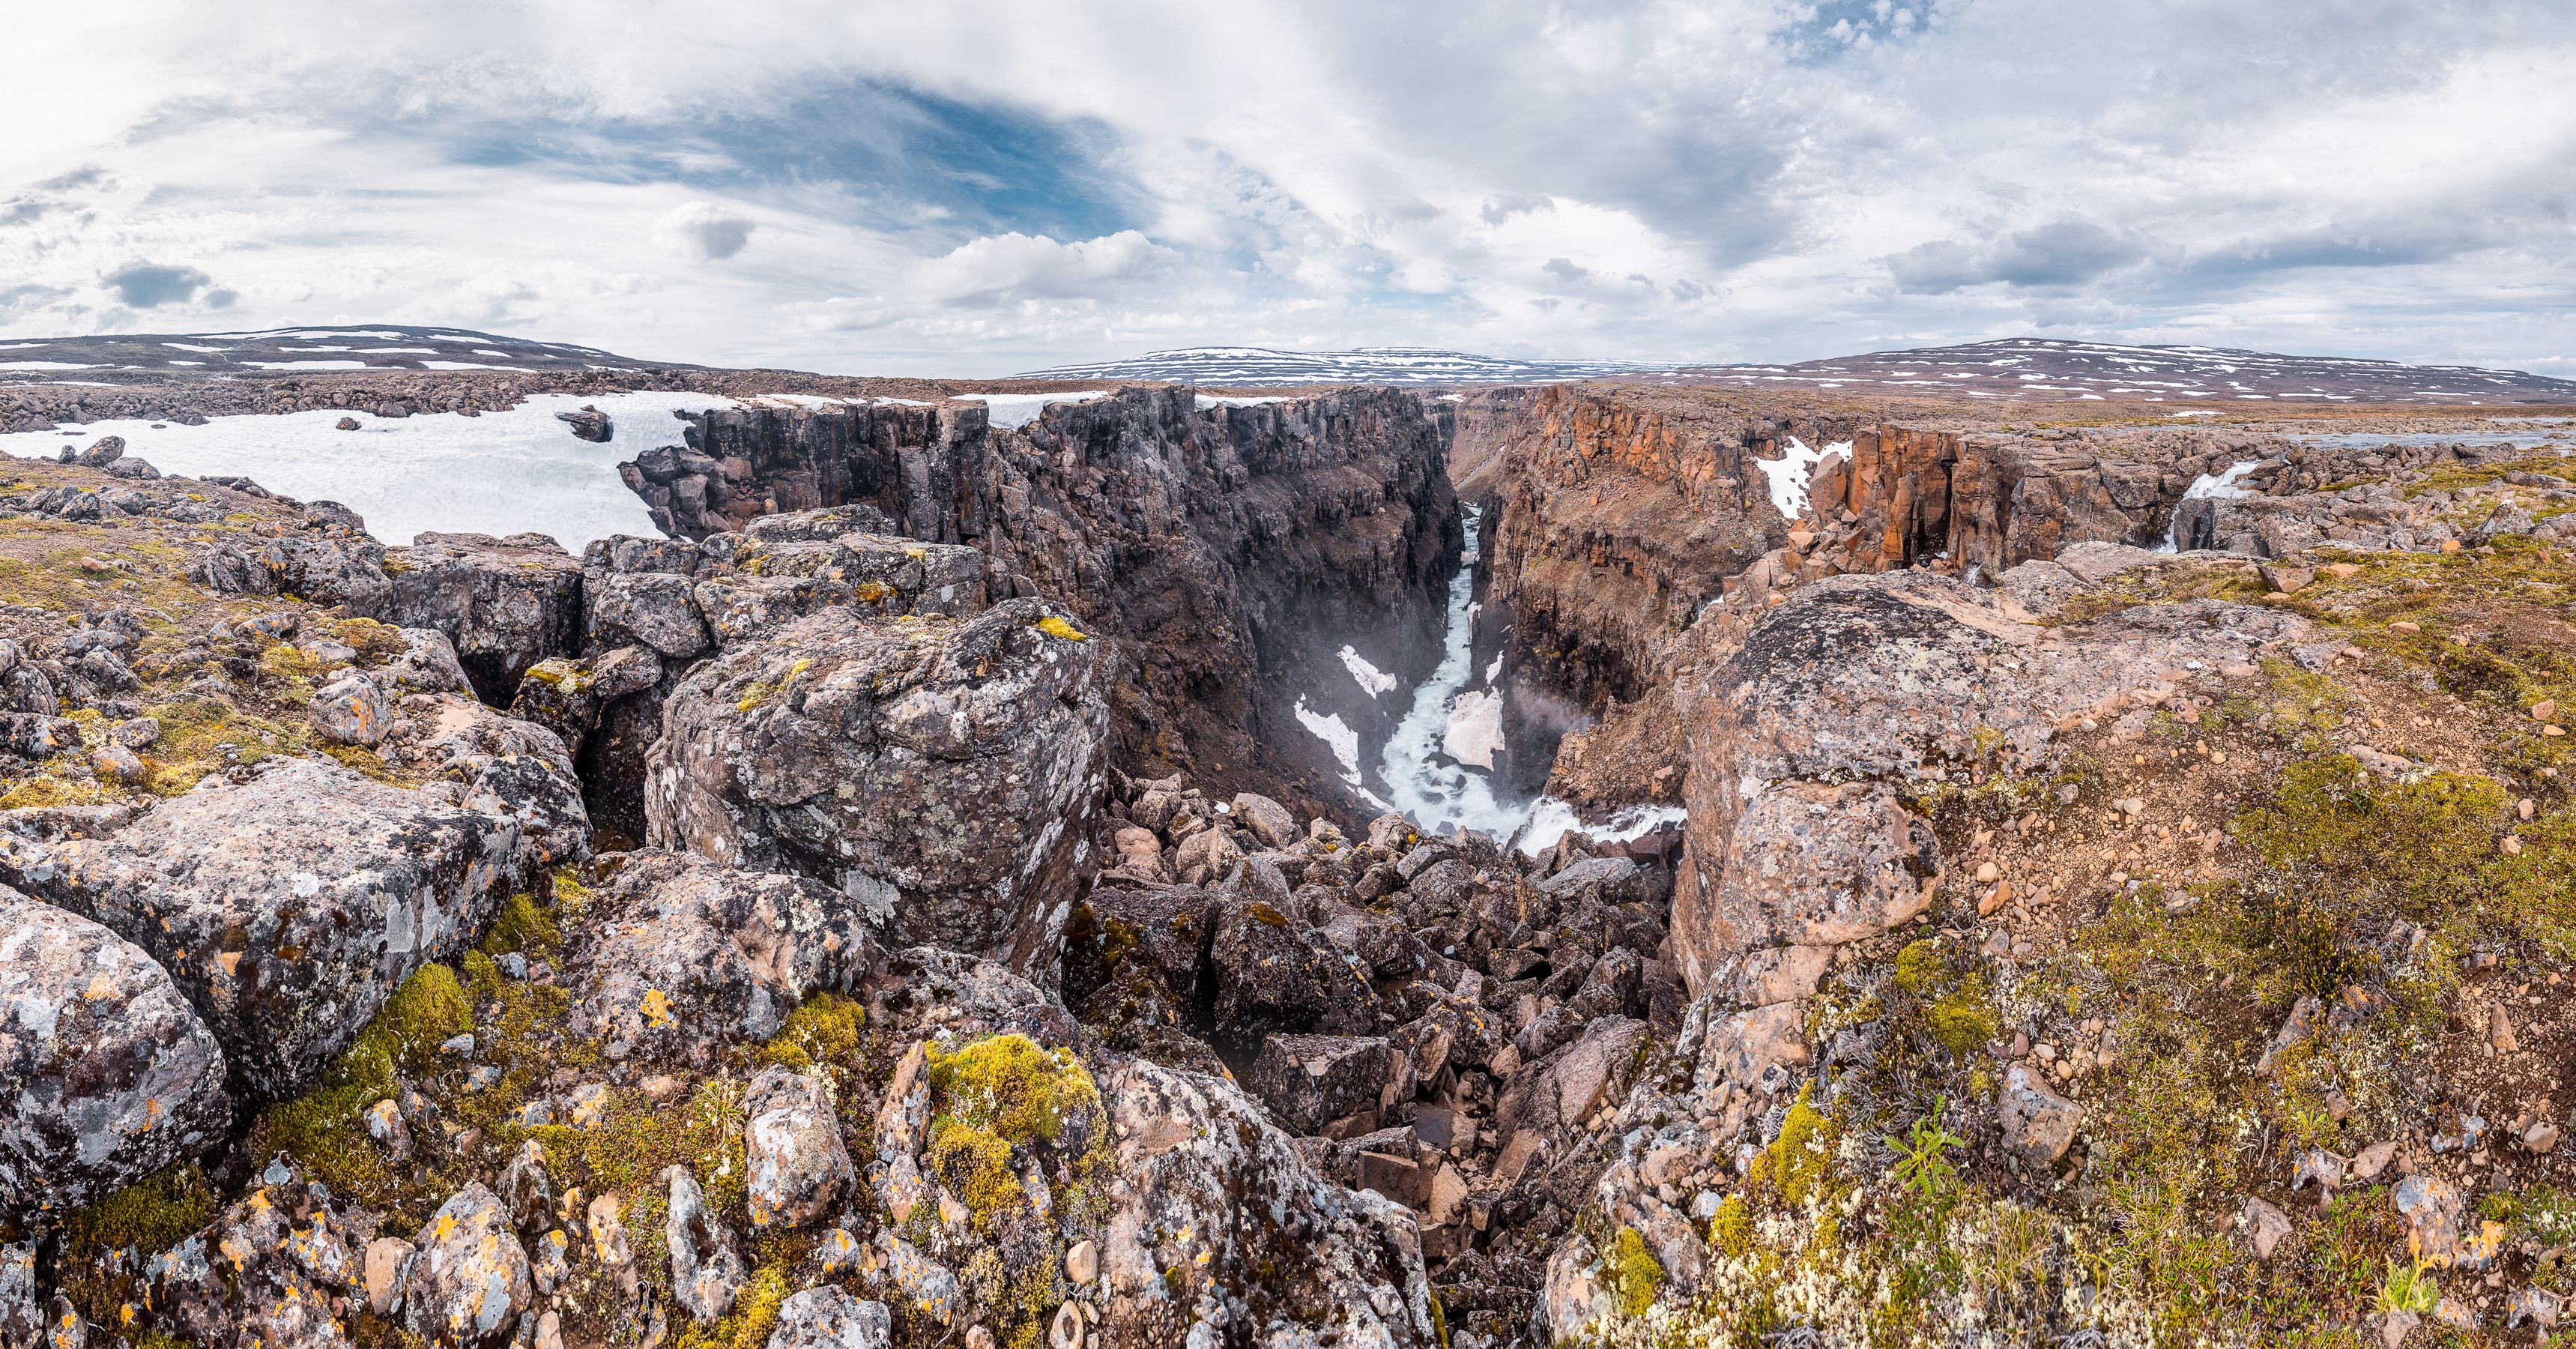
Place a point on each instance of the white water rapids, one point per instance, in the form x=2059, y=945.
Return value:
x=1433, y=786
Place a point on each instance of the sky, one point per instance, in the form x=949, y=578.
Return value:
x=973, y=188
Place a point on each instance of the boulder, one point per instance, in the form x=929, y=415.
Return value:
x=286, y=906
x=506, y=603
x=678, y=957
x=467, y=1281
x=1798, y=712
x=505, y=766
x=1311, y=1080
x=657, y=610
x=958, y=762
x=829, y=1318
x=1812, y=864
x=1196, y=1156
x=798, y=1169
x=1268, y=820
x=268, y=1270
x=2038, y=1124
x=1564, y=1091
x=1271, y=972
x=324, y=567
x=706, y=1271
x=589, y=423
x=351, y=710
x=106, y=1072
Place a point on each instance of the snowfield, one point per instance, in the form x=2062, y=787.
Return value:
x=500, y=473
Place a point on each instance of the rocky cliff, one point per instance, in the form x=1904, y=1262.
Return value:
x=1231, y=550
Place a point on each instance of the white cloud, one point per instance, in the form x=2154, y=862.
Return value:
x=1719, y=178
x=1006, y=268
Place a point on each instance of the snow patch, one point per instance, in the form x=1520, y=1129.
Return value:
x=1475, y=731
x=1790, y=472
x=1371, y=678
x=1329, y=728
x=1019, y=409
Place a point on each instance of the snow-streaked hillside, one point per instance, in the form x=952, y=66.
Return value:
x=380, y=346
x=1251, y=367
x=2044, y=367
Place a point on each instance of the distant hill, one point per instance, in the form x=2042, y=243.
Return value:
x=2019, y=366
x=2004, y=368
x=277, y=350
x=1260, y=367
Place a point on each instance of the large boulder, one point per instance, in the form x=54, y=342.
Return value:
x=958, y=761
x=1312, y=1080
x=325, y=566
x=678, y=957
x=287, y=906
x=106, y=1073
x=1215, y=1205
x=507, y=603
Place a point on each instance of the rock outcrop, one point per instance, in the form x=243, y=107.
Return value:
x=944, y=773
x=286, y=906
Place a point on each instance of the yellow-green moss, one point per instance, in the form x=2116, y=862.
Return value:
x=151, y=1214
x=824, y=1028
x=1635, y=1273
x=975, y=1164
x=1053, y=626
x=1731, y=1228
x=523, y=926
x=1010, y=1086
x=1920, y=969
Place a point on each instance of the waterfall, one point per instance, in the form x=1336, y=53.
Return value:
x=1429, y=767
x=2206, y=485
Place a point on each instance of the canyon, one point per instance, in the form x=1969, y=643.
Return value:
x=2056, y=870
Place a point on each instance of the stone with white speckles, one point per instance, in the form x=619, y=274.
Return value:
x=106, y=1073
x=792, y=1146
x=949, y=764
x=469, y=1280
x=287, y=907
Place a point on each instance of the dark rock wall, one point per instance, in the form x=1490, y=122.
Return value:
x=1233, y=549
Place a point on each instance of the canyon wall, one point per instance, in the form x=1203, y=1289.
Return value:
x=1234, y=549
x=1624, y=511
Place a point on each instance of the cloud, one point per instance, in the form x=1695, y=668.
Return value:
x=705, y=231
x=2061, y=253
x=150, y=285
x=1007, y=268
x=1655, y=179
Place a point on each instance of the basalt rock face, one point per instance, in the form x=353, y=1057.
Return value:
x=1234, y=548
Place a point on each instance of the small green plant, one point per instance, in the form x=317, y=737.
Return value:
x=2409, y=1289
x=1923, y=1155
